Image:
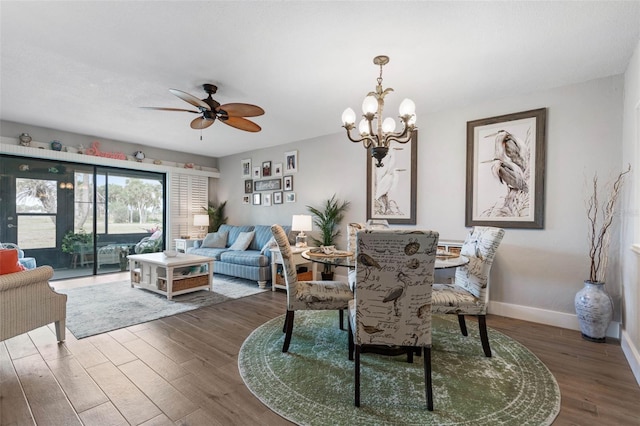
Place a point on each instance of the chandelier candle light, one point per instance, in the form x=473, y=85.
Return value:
x=378, y=141
x=201, y=220
x=301, y=222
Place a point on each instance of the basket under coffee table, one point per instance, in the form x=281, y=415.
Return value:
x=171, y=276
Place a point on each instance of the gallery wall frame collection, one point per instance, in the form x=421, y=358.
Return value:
x=267, y=192
x=505, y=170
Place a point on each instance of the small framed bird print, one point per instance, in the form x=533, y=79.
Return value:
x=505, y=170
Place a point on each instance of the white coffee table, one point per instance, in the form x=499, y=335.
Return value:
x=171, y=276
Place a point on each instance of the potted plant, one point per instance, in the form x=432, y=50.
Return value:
x=72, y=241
x=216, y=215
x=327, y=218
x=593, y=304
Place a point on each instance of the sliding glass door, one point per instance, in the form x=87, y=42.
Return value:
x=80, y=219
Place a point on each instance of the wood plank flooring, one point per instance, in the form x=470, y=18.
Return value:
x=182, y=370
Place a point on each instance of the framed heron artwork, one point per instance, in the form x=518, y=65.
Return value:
x=391, y=188
x=505, y=170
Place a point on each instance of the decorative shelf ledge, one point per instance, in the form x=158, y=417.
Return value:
x=40, y=150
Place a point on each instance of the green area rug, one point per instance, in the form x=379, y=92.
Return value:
x=313, y=383
x=105, y=307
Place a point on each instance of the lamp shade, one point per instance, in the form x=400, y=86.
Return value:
x=201, y=220
x=301, y=222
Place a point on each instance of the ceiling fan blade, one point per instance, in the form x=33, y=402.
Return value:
x=190, y=98
x=241, y=110
x=242, y=124
x=171, y=109
x=201, y=123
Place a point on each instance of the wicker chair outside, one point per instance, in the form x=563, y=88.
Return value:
x=28, y=302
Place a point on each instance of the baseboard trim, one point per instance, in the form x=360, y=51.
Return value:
x=545, y=316
x=632, y=354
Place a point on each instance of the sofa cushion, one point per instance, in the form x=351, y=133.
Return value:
x=243, y=241
x=246, y=258
x=263, y=235
x=209, y=252
x=215, y=240
x=234, y=231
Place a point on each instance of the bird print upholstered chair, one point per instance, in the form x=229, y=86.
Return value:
x=392, y=298
x=352, y=230
x=306, y=295
x=469, y=294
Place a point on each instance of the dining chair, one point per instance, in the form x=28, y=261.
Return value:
x=352, y=231
x=306, y=295
x=392, y=298
x=469, y=294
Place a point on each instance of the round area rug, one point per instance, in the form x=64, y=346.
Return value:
x=314, y=383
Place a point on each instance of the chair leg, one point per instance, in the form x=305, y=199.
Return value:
x=484, y=336
x=351, y=343
x=427, y=378
x=284, y=325
x=60, y=330
x=463, y=325
x=287, y=338
x=357, y=376
x=341, y=318
x=410, y=352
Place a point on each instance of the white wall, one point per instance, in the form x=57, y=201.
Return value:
x=534, y=269
x=631, y=216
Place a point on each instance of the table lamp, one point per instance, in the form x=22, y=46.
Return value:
x=201, y=220
x=301, y=222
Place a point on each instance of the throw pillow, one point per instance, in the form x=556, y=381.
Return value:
x=243, y=241
x=269, y=245
x=215, y=240
x=156, y=235
x=9, y=262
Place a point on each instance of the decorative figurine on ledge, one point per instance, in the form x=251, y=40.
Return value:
x=139, y=156
x=25, y=139
x=56, y=145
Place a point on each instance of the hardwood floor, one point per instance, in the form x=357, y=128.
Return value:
x=182, y=370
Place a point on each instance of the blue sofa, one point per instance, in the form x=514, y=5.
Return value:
x=254, y=263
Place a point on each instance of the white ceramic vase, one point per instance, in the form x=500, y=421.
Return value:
x=594, y=309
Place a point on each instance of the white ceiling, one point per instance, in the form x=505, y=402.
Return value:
x=87, y=66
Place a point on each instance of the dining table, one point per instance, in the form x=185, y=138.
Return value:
x=348, y=260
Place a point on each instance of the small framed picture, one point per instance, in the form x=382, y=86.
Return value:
x=256, y=172
x=266, y=168
x=288, y=183
x=246, y=168
x=266, y=199
x=248, y=186
x=291, y=161
x=277, y=169
x=257, y=199
x=277, y=197
x=246, y=199
x=290, y=197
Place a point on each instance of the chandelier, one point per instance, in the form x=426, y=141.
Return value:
x=378, y=137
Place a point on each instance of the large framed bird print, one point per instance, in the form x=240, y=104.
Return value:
x=392, y=187
x=505, y=170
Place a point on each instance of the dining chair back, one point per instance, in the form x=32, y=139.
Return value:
x=306, y=295
x=392, y=298
x=469, y=294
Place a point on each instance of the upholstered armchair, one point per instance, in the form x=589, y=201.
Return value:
x=150, y=244
x=28, y=302
x=392, y=298
x=306, y=295
x=469, y=294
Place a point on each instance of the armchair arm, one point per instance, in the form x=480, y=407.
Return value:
x=26, y=278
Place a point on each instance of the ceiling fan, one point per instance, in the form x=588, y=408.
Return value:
x=231, y=114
